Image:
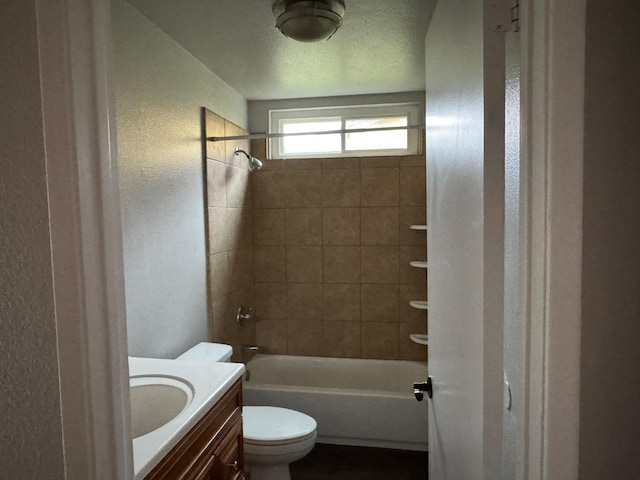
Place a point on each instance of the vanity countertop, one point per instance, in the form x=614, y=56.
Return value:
x=209, y=382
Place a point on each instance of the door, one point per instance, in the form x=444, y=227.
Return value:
x=465, y=170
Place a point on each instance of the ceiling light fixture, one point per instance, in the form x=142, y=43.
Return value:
x=308, y=20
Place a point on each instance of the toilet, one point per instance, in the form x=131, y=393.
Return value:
x=273, y=436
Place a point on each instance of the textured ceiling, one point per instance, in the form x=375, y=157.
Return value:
x=378, y=49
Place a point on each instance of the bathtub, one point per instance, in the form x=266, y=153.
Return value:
x=355, y=402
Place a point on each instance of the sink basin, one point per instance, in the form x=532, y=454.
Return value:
x=155, y=401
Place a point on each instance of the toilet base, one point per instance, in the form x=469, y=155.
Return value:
x=269, y=472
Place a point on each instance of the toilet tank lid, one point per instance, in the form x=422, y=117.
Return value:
x=207, y=352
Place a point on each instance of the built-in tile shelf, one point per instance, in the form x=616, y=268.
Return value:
x=419, y=304
x=421, y=338
x=418, y=227
x=418, y=264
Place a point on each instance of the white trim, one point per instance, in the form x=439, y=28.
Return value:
x=493, y=49
x=553, y=117
x=74, y=43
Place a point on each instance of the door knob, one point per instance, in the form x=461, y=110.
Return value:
x=420, y=387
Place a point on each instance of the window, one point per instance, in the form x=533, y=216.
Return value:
x=402, y=141
x=310, y=144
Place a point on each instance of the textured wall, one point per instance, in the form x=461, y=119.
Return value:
x=31, y=438
x=610, y=357
x=229, y=235
x=160, y=89
x=332, y=252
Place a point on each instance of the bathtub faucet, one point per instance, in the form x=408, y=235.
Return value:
x=244, y=315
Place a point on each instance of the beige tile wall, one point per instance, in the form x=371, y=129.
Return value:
x=332, y=252
x=230, y=250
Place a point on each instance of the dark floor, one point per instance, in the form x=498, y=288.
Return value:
x=337, y=462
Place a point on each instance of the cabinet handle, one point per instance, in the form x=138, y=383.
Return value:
x=235, y=466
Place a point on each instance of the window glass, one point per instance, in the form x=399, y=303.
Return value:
x=307, y=144
x=377, y=140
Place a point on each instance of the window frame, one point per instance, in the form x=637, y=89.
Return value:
x=348, y=112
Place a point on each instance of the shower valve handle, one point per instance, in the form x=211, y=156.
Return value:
x=420, y=387
x=242, y=316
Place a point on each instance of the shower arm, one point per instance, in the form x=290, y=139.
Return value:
x=246, y=154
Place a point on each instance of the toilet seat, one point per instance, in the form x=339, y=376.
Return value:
x=271, y=426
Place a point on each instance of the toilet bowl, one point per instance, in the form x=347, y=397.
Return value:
x=273, y=436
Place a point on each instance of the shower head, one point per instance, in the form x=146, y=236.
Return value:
x=254, y=163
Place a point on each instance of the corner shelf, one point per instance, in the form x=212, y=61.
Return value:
x=420, y=338
x=419, y=304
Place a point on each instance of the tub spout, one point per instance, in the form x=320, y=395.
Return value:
x=250, y=348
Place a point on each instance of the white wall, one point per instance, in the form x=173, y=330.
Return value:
x=31, y=444
x=160, y=89
x=610, y=356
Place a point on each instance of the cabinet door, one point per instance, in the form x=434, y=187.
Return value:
x=207, y=471
x=229, y=453
x=225, y=461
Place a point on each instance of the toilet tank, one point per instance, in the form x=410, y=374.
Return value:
x=207, y=352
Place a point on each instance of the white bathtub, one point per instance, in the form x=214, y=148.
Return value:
x=355, y=402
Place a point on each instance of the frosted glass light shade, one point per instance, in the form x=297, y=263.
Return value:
x=308, y=21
